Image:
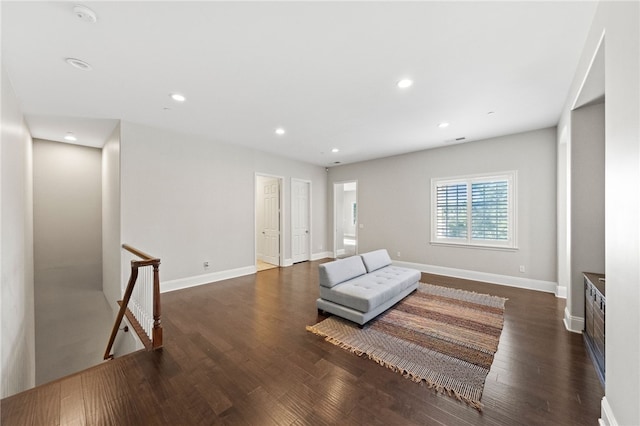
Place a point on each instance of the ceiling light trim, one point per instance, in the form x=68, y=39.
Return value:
x=178, y=97
x=79, y=64
x=404, y=83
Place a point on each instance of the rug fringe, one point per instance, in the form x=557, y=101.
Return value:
x=438, y=388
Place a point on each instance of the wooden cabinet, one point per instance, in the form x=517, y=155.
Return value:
x=594, y=315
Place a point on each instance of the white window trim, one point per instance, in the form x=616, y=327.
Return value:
x=510, y=244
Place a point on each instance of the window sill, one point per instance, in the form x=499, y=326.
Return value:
x=473, y=246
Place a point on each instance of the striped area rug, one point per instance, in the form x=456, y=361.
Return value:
x=442, y=336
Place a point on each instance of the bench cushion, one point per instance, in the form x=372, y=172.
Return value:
x=339, y=271
x=375, y=260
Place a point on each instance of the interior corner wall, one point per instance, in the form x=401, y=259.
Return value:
x=111, y=245
x=619, y=21
x=67, y=218
x=394, y=203
x=587, y=200
x=189, y=199
x=17, y=323
x=563, y=210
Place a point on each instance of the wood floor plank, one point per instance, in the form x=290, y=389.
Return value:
x=237, y=353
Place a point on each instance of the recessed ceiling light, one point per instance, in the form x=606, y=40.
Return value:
x=70, y=137
x=334, y=150
x=405, y=83
x=443, y=125
x=491, y=112
x=84, y=13
x=178, y=97
x=78, y=63
x=280, y=131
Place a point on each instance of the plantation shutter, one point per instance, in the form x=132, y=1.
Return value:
x=490, y=210
x=451, y=216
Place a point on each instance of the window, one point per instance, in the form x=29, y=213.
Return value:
x=354, y=213
x=474, y=210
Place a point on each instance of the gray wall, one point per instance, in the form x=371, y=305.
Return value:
x=17, y=341
x=67, y=214
x=587, y=200
x=187, y=199
x=111, y=250
x=394, y=203
x=72, y=318
x=622, y=200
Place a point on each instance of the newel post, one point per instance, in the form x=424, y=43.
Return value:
x=157, y=326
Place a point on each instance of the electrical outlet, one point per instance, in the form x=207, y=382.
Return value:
x=522, y=269
x=205, y=264
x=398, y=254
x=320, y=248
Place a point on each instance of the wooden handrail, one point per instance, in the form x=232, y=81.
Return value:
x=147, y=260
x=139, y=253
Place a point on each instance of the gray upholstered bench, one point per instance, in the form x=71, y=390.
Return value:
x=359, y=288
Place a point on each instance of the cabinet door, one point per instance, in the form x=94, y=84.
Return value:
x=588, y=309
x=598, y=329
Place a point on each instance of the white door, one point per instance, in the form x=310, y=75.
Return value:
x=271, y=221
x=300, y=223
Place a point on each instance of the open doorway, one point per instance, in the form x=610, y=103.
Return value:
x=345, y=219
x=268, y=221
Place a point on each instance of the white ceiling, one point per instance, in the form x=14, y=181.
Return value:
x=325, y=71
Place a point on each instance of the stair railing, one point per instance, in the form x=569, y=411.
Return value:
x=144, y=300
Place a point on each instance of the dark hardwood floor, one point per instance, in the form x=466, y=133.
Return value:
x=236, y=352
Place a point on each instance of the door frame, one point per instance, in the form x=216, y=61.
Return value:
x=335, y=216
x=281, y=221
x=309, y=242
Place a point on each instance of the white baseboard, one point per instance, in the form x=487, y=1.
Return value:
x=322, y=255
x=572, y=323
x=181, y=283
x=287, y=262
x=527, y=283
x=607, y=419
x=561, y=292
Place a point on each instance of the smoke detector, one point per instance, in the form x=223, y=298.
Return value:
x=85, y=14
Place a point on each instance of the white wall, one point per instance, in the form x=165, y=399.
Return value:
x=17, y=340
x=188, y=199
x=111, y=244
x=619, y=22
x=394, y=204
